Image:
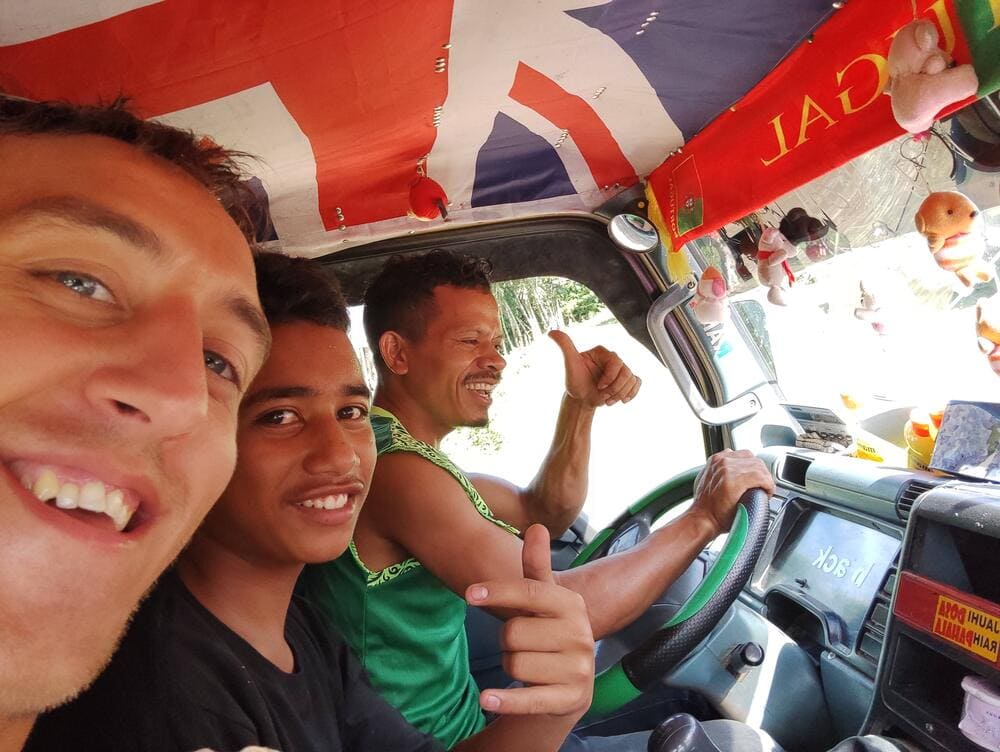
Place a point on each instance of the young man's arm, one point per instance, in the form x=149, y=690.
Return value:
x=556, y=494
x=551, y=652
x=421, y=509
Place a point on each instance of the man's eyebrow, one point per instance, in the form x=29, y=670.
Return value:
x=358, y=390
x=276, y=393
x=249, y=314
x=92, y=216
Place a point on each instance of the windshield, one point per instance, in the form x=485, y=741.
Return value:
x=869, y=314
x=870, y=320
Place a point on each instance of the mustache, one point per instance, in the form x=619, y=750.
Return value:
x=487, y=376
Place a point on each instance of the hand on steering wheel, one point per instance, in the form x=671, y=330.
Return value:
x=721, y=482
x=644, y=666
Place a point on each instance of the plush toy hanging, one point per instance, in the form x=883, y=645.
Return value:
x=870, y=310
x=988, y=331
x=953, y=227
x=922, y=78
x=710, y=303
x=799, y=227
x=773, y=270
x=428, y=201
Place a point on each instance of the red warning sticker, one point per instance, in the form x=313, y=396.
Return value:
x=967, y=621
x=968, y=627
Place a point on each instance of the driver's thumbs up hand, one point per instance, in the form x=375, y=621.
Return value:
x=549, y=646
x=724, y=479
x=596, y=376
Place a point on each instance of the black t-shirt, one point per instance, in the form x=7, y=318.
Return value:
x=183, y=680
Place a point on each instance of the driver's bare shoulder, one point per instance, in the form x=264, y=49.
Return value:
x=409, y=496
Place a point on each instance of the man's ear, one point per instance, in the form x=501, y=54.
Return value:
x=392, y=347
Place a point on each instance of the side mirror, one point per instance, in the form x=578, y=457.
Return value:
x=632, y=233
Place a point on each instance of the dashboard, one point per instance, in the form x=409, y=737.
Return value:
x=844, y=608
x=832, y=566
x=817, y=603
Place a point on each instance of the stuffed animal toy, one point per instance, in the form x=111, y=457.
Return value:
x=710, y=303
x=870, y=310
x=988, y=331
x=428, y=201
x=799, y=227
x=952, y=226
x=921, y=81
x=773, y=270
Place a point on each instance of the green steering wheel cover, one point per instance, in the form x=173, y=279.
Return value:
x=717, y=573
x=612, y=687
x=612, y=690
x=678, y=488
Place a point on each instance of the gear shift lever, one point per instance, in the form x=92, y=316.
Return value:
x=680, y=733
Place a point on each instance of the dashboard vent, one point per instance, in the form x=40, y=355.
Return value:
x=794, y=469
x=872, y=635
x=908, y=496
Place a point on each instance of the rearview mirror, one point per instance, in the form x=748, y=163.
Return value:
x=632, y=233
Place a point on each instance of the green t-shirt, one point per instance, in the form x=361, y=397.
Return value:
x=406, y=626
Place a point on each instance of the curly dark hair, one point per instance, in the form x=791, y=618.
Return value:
x=220, y=170
x=401, y=298
x=298, y=289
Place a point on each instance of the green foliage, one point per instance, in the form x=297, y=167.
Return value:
x=484, y=440
x=530, y=307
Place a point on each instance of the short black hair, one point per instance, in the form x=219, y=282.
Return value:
x=298, y=289
x=401, y=298
x=219, y=170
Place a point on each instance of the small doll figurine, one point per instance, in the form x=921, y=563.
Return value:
x=773, y=270
x=710, y=303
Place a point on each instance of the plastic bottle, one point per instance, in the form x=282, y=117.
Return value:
x=937, y=416
x=920, y=434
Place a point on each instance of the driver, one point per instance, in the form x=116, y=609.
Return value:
x=130, y=328
x=429, y=531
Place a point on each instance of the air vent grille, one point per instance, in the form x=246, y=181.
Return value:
x=908, y=496
x=872, y=635
x=794, y=469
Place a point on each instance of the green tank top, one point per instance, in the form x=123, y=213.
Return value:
x=406, y=626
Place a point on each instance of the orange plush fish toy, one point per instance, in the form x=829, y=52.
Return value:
x=953, y=227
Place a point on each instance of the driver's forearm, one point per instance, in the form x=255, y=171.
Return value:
x=619, y=588
x=520, y=732
x=556, y=495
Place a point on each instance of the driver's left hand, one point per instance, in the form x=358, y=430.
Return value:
x=597, y=376
x=725, y=478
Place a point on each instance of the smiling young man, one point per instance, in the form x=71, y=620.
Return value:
x=221, y=655
x=130, y=328
x=428, y=530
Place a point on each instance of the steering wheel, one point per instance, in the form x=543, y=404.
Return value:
x=644, y=666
